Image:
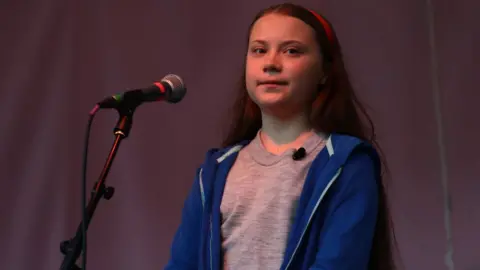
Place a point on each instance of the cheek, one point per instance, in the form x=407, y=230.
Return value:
x=307, y=77
x=309, y=73
x=250, y=75
x=294, y=69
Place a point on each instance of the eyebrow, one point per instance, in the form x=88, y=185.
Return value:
x=283, y=43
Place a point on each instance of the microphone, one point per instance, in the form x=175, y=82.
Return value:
x=299, y=153
x=171, y=89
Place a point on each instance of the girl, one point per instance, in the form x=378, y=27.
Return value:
x=298, y=183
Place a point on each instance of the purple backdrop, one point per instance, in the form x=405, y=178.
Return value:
x=414, y=62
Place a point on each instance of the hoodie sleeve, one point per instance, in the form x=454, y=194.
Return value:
x=347, y=234
x=185, y=247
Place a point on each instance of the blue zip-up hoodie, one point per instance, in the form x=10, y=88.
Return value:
x=334, y=223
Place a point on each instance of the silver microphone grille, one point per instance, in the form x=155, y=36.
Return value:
x=178, y=88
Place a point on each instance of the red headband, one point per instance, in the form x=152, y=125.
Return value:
x=326, y=26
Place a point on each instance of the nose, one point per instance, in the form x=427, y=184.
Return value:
x=272, y=63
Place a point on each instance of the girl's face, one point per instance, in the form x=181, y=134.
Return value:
x=283, y=65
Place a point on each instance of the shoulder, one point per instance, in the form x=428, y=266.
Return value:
x=346, y=149
x=219, y=155
x=356, y=171
x=351, y=157
x=358, y=161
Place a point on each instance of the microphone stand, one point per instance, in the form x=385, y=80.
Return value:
x=72, y=248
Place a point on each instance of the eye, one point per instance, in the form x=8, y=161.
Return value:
x=258, y=50
x=293, y=51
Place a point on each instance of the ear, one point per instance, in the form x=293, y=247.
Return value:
x=322, y=83
x=324, y=80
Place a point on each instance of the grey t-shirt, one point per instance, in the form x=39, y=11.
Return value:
x=258, y=204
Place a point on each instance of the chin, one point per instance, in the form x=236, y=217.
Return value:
x=271, y=102
x=274, y=106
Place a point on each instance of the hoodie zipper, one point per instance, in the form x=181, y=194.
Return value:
x=330, y=183
x=202, y=193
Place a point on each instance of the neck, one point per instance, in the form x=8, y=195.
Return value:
x=279, y=135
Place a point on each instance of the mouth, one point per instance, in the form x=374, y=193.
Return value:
x=272, y=83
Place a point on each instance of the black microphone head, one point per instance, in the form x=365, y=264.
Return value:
x=299, y=154
x=177, y=88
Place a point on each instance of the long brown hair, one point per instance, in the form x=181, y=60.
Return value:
x=336, y=109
